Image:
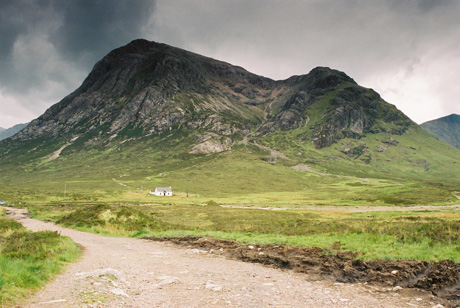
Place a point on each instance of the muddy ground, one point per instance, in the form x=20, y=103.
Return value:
x=441, y=278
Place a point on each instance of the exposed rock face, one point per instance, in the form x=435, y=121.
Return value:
x=212, y=146
x=147, y=88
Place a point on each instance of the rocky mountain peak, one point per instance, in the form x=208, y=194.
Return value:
x=325, y=77
x=147, y=88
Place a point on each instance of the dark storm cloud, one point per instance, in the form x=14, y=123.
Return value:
x=10, y=28
x=76, y=33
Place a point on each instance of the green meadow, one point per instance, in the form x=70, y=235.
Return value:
x=410, y=235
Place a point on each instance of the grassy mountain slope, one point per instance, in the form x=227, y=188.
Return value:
x=408, y=172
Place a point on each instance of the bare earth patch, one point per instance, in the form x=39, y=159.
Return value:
x=128, y=272
x=353, y=208
x=442, y=278
x=306, y=168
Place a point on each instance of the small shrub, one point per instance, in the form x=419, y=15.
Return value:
x=8, y=224
x=85, y=217
x=132, y=219
x=124, y=217
x=212, y=203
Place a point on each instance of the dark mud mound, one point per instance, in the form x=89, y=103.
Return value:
x=442, y=278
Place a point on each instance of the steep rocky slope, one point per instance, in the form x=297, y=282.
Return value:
x=146, y=88
x=154, y=87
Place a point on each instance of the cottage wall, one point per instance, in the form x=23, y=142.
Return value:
x=162, y=191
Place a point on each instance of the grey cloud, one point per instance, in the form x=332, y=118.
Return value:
x=428, y=5
x=9, y=28
x=92, y=28
x=16, y=17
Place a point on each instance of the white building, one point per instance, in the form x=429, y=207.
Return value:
x=162, y=191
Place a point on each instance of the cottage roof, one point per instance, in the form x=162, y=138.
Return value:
x=166, y=189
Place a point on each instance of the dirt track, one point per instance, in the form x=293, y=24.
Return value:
x=126, y=272
x=441, y=278
x=354, y=209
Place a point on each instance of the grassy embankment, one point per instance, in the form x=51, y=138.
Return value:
x=29, y=259
x=422, y=235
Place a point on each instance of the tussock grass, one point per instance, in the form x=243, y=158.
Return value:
x=28, y=260
x=109, y=220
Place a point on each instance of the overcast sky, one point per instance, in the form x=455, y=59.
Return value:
x=406, y=50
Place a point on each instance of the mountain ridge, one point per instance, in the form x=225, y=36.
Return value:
x=133, y=84
x=445, y=128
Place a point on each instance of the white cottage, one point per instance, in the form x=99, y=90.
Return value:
x=162, y=191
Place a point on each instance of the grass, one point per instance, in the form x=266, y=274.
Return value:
x=28, y=260
x=239, y=176
x=411, y=235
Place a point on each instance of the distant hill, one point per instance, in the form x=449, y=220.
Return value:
x=149, y=113
x=5, y=133
x=445, y=128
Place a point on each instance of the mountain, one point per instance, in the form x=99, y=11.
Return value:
x=152, y=88
x=155, y=114
x=5, y=133
x=446, y=128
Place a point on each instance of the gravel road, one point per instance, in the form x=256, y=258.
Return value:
x=127, y=272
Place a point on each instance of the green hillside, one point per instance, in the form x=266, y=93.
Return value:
x=279, y=169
